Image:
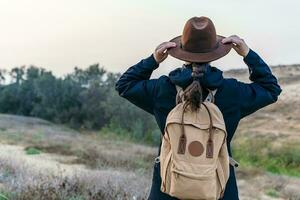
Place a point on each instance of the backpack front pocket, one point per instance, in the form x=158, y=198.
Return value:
x=199, y=185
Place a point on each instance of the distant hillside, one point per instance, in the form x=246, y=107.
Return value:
x=281, y=118
x=285, y=73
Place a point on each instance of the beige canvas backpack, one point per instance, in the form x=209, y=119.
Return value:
x=194, y=161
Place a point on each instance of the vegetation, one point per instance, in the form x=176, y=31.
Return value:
x=88, y=165
x=98, y=161
x=32, y=151
x=74, y=166
x=77, y=187
x=84, y=99
x=262, y=153
x=272, y=193
x=3, y=197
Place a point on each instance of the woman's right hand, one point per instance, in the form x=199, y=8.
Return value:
x=239, y=45
x=160, y=53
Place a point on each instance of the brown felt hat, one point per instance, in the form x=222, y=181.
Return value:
x=199, y=42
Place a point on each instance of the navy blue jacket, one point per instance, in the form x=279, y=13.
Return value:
x=235, y=99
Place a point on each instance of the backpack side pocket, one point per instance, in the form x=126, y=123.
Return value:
x=165, y=173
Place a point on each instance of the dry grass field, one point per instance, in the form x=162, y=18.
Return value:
x=41, y=160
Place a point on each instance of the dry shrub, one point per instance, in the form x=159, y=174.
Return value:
x=63, y=149
x=24, y=183
x=97, y=158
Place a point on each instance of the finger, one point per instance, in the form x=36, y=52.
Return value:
x=235, y=36
x=166, y=46
x=227, y=40
x=164, y=43
x=159, y=46
x=165, y=55
x=236, y=48
x=232, y=39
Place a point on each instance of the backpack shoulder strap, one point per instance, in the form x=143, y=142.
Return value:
x=211, y=95
x=179, y=96
x=178, y=88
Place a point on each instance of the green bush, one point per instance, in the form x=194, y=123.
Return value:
x=77, y=198
x=138, y=134
x=32, y=151
x=272, y=193
x=283, y=159
x=3, y=196
x=83, y=99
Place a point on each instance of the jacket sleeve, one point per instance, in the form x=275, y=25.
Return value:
x=263, y=90
x=135, y=86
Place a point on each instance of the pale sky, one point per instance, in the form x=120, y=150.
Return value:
x=61, y=34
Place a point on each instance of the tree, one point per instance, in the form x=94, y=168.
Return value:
x=85, y=98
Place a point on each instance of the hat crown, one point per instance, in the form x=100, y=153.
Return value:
x=199, y=35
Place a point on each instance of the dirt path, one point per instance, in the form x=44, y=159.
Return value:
x=40, y=162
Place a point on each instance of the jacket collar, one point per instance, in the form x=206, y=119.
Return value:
x=182, y=76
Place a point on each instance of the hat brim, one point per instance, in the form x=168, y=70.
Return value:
x=219, y=52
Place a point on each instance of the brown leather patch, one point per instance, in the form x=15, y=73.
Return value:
x=209, y=149
x=196, y=148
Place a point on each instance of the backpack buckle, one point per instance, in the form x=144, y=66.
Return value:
x=157, y=160
x=233, y=162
